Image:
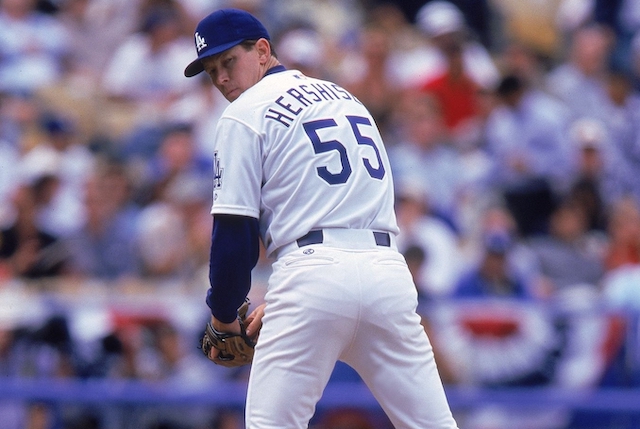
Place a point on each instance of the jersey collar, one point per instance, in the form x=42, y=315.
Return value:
x=275, y=69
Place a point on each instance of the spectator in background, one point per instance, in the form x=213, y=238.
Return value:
x=492, y=276
x=337, y=22
x=95, y=28
x=623, y=125
x=535, y=23
x=416, y=258
x=494, y=313
x=406, y=43
x=190, y=195
x=579, y=81
x=33, y=47
x=169, y=359
x=621, y=286
x=599, y=179
x=105, y=247
x=124, y=346
x=524, y=61
x=51, y=349
x=72, y=163
x=162, y=242
x=463, y=74
x=172, y=226
x=424, y=156
x=527, y=142
x=189, y=111
x=445, y=27
x=494, y=220
x=587, y=84
x=568, y=258
x=455, y=92
x=34, y=344
x=20, y=125
x=431, y=244
x=623, y=230
x=173, y=361
x=622, y=18
x=177, y=155
x=366, y=73
x=571, y=15
x=302, y=48
x=160, y=45
x=26, y=250
x=182, y=9
x=153, y=348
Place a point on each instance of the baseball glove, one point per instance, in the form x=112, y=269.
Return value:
x=234, y=349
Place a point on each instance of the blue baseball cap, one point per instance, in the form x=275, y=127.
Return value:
x=222, y=30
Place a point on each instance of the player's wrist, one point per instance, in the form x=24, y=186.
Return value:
x=233, y=327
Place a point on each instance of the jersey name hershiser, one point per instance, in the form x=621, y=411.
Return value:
x=300, y=153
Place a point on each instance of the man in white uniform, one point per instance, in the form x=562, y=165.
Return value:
x=299, y=163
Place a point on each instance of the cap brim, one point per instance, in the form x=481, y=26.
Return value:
x=196, y=67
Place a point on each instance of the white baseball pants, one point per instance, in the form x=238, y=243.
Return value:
x=346, y=299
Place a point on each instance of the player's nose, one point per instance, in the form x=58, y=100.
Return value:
x=221, y=77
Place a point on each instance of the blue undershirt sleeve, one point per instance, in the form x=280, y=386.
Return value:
x=234, y=252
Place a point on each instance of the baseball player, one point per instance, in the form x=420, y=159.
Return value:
x=299, y=164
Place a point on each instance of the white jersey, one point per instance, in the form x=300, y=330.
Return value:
x=300, y=154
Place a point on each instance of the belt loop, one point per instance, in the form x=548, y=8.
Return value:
x=312, y=237
x=382, y=238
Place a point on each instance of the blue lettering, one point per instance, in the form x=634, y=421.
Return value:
x=288, y=106
x=299, y=96
x=344, y=93
x=316, y=97
x=322, y=91
x=280, y=117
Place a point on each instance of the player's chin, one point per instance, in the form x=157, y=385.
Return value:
x=232, y=95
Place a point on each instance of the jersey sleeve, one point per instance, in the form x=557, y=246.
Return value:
x=237, y=169
x=234, y=253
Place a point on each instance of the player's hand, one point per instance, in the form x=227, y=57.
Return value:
x=227, y=344
x=233, y=328
x=254, y=322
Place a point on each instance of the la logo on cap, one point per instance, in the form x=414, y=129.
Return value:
x=200, y=42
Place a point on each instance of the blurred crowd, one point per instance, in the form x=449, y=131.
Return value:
x=513, y=132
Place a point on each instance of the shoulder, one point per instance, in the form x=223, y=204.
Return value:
x=255, y=100
x=281, y=99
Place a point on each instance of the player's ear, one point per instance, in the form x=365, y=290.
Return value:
x=264, y=50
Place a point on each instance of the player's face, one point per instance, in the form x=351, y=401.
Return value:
x=234, y=70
